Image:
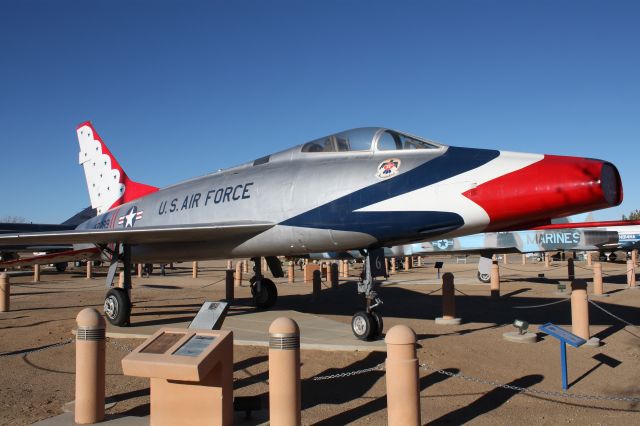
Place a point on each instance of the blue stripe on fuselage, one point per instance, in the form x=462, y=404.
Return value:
x=340, y=214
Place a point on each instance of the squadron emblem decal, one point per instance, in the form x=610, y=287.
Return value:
x=388, y=168
x=129, y=219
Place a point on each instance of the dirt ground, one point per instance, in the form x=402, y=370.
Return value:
x=36, y=385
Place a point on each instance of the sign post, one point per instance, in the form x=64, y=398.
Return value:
x=564, y=337
x=438, y=266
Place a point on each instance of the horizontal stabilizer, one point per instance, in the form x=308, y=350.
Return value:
x=63, y=256
x=142, y=235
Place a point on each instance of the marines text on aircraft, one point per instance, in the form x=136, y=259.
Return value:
x=488, y=244
x=360, y=189
x=628, y=235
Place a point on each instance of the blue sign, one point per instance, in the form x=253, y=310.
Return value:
x=562, y=334
x=564, y=337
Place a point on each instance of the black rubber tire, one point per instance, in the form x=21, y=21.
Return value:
x=61, y=266
x=117, y=307
x=362, y=325
x=485, y=278
x=378, y=323
x=268, y=293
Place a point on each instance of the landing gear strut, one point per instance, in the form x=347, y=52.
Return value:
x=263, y=290
x=368, y=324
x=117, y=302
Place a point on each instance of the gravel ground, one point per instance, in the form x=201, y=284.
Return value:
x=36, y=385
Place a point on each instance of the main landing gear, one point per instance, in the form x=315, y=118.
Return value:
x=263, y=290
x=117, y=302
x=368, y=324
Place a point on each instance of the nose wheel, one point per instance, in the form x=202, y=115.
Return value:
x=117, y=307
x=264, y=292
x=367, y=325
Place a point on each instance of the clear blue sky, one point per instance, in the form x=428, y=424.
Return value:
x=179, y=89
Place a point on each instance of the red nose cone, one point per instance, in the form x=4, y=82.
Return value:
x=553, y=187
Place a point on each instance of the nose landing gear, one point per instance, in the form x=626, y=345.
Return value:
x=368, y=324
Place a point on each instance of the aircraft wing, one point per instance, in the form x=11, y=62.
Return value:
x=602, y=224
x=142, y=235
x=63, y=256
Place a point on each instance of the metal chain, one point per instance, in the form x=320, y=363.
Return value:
x=28, y=352
x=461, y=292
x=529, y=390
x=424, y=366
x=379, y=367
x=609, y=313
x=540, y=306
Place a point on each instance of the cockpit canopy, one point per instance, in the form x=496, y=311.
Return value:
x=365, y=139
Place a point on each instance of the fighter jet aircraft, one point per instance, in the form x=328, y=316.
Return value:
x=531, y=241
x=362, y=188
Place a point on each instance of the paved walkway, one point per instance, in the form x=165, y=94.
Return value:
x=252, y=329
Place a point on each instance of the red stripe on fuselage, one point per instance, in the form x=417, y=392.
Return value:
x=552, y=187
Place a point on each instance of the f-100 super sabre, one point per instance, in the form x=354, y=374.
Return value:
x=366, y=188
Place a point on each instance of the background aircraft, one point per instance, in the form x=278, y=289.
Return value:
x=9, y=253
x=362, y=188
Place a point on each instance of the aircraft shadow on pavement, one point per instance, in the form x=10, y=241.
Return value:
x=487, y=402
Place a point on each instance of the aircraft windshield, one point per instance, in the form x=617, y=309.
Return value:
x=392, y=141
x=351, y=140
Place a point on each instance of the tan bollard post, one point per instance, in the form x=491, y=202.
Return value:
x=547, y=260
x=89, y=272
x=524, y=259
x=393, y=265
x=589, y=260
x=238, y=276
x=317, y=283
x=284, y=373
x=419, y=260
x=195, y=269
x=36, y=273
x=386, y=264
x=90, y=367
x=346, y=268
x=120, y=280
x=341, y=263
x=631, y=273
x=228, y=285
x=598, y=289
x=403, y=392
x=5, y=289
x=448, y=302
x=505, y=259
x=634, y=256
x=495, y=280
x=230, y=264
x=292, y=272
x=407, y=265
x=245, y=266
x=448, y=297
x=140, y=267
x=323, y=270
x=333, y=275
x=579, y=309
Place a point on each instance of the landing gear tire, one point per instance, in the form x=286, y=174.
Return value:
x=268, y=294
x=117, y=307
x=379, y=324
x=61, y=267
x=363, y=325
x=485, y=278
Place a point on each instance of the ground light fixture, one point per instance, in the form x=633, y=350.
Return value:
x=521, y=325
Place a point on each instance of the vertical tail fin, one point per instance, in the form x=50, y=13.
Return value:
x=108, y=184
